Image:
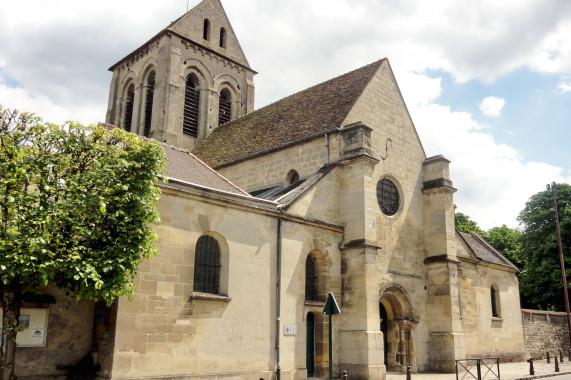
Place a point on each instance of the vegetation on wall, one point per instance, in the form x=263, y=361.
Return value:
x=76, y=208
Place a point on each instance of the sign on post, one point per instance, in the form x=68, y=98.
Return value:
x=331, y=308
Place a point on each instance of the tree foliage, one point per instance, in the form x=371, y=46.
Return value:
x=540, y=280
x=465, y=224
x=76, y=208
x=508, y=242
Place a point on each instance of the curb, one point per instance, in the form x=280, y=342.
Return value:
x=543, y=376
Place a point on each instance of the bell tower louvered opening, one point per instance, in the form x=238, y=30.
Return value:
x=191, y=107
x=130, y=99
x=149, y=103
x=224, y=107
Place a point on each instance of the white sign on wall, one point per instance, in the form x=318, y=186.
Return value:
x=32, y=327
x=290, y=330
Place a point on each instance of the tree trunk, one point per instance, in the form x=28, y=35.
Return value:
x=11, y=298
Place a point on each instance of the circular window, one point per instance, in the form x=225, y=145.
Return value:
x=387, y=196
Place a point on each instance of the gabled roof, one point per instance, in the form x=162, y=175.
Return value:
x=189, y=27
x=484, y=251
x=299, y=117
x=184, y=166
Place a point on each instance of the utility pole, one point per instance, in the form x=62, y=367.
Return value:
x=562, y=263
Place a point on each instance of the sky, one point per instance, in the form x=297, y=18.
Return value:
x=487, y=82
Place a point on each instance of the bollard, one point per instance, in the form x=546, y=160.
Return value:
x=344, y=375
x=560, y=356
x=531, y=370
x=408, y=372
x=549, y=361
x=556, y=364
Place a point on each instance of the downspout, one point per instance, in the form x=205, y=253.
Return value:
x=326, y=148
x=278, y=293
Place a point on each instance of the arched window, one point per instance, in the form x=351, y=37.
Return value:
x=149, y=103
x=191, y=107
x=207, y=266
x=495, y=299
x=129, y=100
x=224, y=107
x=223, y=38
x=310, y=279
x=206, y=30
x=291, y=177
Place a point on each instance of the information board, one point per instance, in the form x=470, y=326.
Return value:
x=32, y=327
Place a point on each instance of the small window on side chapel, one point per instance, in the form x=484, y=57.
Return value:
x=207, y=266
x=494, y=295
x=310, y=279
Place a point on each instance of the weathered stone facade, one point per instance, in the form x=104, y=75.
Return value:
x=328, y=190
x=545, y=331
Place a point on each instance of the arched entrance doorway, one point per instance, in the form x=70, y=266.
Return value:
x=398, y=320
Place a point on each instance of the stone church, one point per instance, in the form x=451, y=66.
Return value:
x=267, y=211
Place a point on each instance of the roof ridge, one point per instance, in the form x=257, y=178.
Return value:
x=304, y=90
x=312, y=111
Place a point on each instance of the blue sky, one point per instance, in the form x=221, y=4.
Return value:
x=536, y=117
x=487, y=82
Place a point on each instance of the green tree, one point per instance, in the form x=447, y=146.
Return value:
x=540, y=280
x=76, y=208
x=465, y=224
x=508, y=242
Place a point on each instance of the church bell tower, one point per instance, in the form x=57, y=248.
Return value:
x=185, y=81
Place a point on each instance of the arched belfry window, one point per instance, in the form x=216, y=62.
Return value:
x=129, y=100
x=224, y=107
x=191, y=107
x=310, y=279
x=149, y=103
x=206, y=30
x=207, y=266
x=223, y=38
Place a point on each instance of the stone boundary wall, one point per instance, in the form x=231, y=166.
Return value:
x=545, y=331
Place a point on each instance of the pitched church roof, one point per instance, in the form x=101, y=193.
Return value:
x=184, y=166
x=484, y=251
x=296, y=118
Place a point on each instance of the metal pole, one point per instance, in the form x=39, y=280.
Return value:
x=562, y=263
x=330, y=349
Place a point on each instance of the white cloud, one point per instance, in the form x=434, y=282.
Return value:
x=493, y=180
x=564, y=87
x=492, y=105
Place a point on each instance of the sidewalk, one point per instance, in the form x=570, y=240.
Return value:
x=508, y=371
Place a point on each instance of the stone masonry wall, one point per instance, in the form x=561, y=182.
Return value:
x=545, y=331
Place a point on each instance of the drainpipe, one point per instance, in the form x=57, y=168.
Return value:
x=326, y=148
x=278, y=294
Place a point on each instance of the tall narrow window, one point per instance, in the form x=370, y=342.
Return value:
x=206, y=30
x=207, y=265
x=224, y=107
x=310, y=279
x=149, y=103
x=130, y=99
x=223, y=38
x=495, y=302
x=191, y=107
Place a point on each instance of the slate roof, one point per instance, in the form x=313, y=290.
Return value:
x=298, y=117
x=185, y=166
x=484, y=251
